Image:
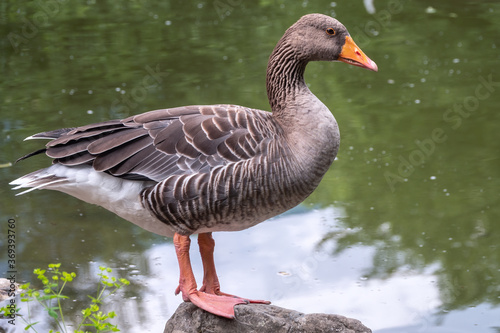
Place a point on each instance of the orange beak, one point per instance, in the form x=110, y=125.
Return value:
x=352, y=54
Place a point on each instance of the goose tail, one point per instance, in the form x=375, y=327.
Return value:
x=35, y=181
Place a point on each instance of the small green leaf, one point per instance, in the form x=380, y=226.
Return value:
x=31, y=325
x=52, y=313
x=124, y=281
x=67, y=276
x=46, y=297
x=107, y=284
x=86, y=312
x=60, y=296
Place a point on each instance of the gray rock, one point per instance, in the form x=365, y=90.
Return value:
x=7, y=288
x=259, y=318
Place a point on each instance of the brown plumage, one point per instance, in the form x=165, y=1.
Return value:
x=198, y=169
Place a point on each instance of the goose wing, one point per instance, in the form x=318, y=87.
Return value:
x=161, y=143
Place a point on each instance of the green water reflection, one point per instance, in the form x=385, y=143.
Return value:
x=418, y=172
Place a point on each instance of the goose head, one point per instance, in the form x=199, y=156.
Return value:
x=317, y=37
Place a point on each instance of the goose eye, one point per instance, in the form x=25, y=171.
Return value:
x=330, y=31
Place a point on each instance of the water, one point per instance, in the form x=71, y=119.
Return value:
x=402, y=233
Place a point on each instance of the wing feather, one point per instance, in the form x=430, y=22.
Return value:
x=105, y=160
x=116, y=139
x=162, y=143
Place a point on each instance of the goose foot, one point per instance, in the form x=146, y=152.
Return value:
x=220, y=293
x=219, y=305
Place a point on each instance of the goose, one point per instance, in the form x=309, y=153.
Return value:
x=200, y=169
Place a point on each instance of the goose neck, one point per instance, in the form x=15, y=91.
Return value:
x=285, y=77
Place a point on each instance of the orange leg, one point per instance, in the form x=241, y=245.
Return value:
x=216, y=304
x=210, y=280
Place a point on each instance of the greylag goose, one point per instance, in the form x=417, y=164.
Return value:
x=204, y=168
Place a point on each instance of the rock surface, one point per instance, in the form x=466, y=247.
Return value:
x=259, y=318
x=7, y=288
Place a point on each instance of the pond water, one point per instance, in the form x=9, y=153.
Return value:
x=404, y=231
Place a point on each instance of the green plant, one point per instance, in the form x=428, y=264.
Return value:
x=50, y=298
